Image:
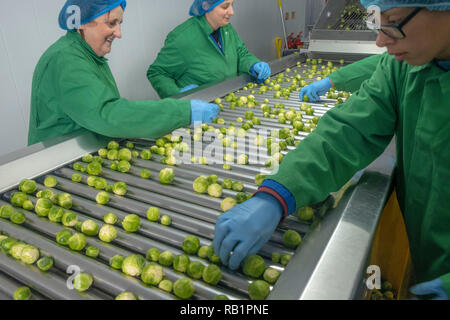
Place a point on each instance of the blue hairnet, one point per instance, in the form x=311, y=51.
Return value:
x=389, y=4
x=88, y=9
x=200, y=7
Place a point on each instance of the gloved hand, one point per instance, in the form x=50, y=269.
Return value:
x=189, y=87
x=246, y=228
x=204, y=112
x=261, y=71
x=316, y=89
x=433, y=287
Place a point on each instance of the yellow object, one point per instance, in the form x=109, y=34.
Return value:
x=279, y=3
x=278, y=44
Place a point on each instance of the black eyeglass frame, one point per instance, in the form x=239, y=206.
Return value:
x=398, y=27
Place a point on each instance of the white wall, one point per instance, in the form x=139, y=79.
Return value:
x=29, y=27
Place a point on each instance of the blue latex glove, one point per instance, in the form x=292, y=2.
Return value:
x=433, y=287
x=204, y=112
x=246, y=228
x=316, y=89
x=261, y=71
x=189, y=87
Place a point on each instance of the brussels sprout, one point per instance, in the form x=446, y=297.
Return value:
x=259, y=178
x=116, y=261
x=107, y=233
x=65, y=200
x=94, y=168
x=386, y=285
x=43, y=207
x=195, y=270
x=28, y=186
x=227, y=204
x=166, y=258
x=17, y=217
x=69, y=219
x=241, y=197
x=99, y=183
x=63, y=237
x=113, y=165
x=271, y=275
x=291, y=239
x=166, y=220
x=258, y=290
x=76, y=177
x=152, y=254
x=102, y=152
x=131, y=223
x=212, y=256
x=124, y=154
x=78, y=166
x=226, y=166
x=50, y=181
x=6, y=211
x=22, y=293
x=166, y=176
x=145, y=174
x=18, y=198
x=29, y=254
x=146, y=154
x=113, y=145
x=254, y=266
x=237, y=186
x=92, y=251
x=8, y=243
x=110, y=218
x=221, y=297
x=45, y=263
x=123, y=166
x=212, y=274
x=242, y=159
x=152, y=274
x=89, y=227
x=191, y=244
x=215, y=190
x=285, y=258
x=127, y=296
x=16, y=250
x=91, y=181
x=183, y=288
x=203, y=252
x=276, y=257
x=181, y=263
x=87, y=158
x=77, y=242
x=201, y=184
x=166, y=285
x=305, y=213
x=102, y=197
x=133, y=265
x=153, y=214
x=82, y=282
x=388, y=295
x=55, y=214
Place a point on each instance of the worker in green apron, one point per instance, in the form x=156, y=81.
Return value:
x=203, y=49
x=408, y=97
x=73, y=87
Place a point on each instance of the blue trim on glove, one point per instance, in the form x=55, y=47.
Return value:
x=283, y=192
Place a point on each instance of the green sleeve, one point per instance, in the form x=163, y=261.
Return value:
x=168, y=66
x=347, y=139
x=245, y=58
x=93, y=103
x=350, y=78
x=446, y=283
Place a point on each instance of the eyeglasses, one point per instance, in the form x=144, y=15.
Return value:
x=393, y=31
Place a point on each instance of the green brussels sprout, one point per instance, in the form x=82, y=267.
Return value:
x=94, y=168
x=388, y=295
x=8, y=243
x=55, y=214
x=99, y=183
x=123, y=166
x=195, y=270
x=78, y=166
x=120, y=188
x=212, y=179
x=181, y=263
x=133, y=265
x=124, y=154
x=82, y=282
x=203, y=252
x=291, y=239
x=89, y=227
x=259, y=178
x=212, y=274
x=242, y=159
x=43, y=207
x=241, y=197
x=227, y=204
x=50, y=181
x=29, y=254
x=305, y=213
x=211, y=255
x=17, y=217
x=126, y=296
x=152, y=254
x=285, y=258
x=69, y=219
x=113, y=165
x=276, y=257
x=191, y=244
x=166, y=258
x=22, y=293
x=45, y=263
x=65, y=200
x=28, y=205
x=146, y=154
x=184, y=288
x=63, y=237
x=6, y=211
x=116, y=261
x=166, y=220
x=87, y=158
x=271, y=275
x=18, y=198
x=201, y=184
x=386, y=286
x=76, y=177
x=16, y=250
x=110, y=218
x=107, y=233
x=77, y=242
x=258, y=290
x=227, y=183
x=109, y=188
x=134, y=154
x=131, y=223
x=145, y=174
x=152, y=274
x=102, y=152
x=215, y=190
x=166, y=176
x=91, y=181
x=166, y=285
x=237, y=186
x=28, y=186
x=92, y=251
x=153, y=214
x=102, y=197
x=113, y=145
x=254, y=266
x=221, y=297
